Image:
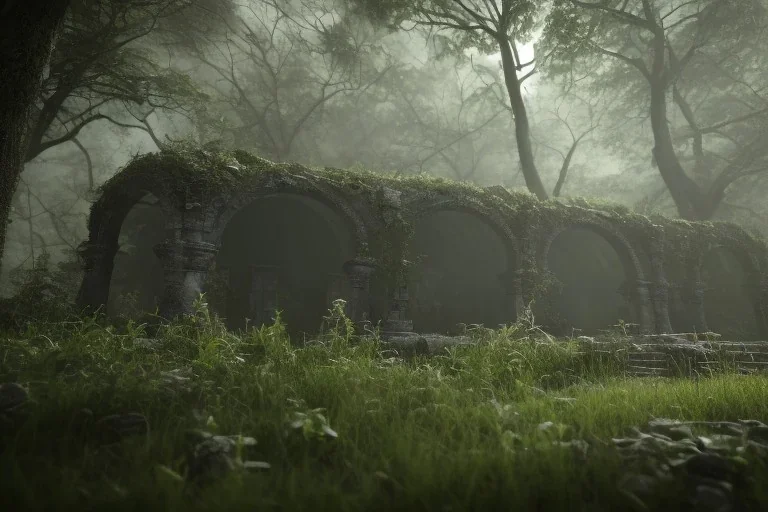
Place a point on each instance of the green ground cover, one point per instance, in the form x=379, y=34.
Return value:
x=125, y=418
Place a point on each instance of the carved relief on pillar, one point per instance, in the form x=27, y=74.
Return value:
x=659, y=297
x=692, y=298
x=659, y=287
x=186, y=265
x=186, y=255
x=397, y=319
x=359, y=271
x=637, y=293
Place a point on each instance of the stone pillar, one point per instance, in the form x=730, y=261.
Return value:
x=359, y=272
x=186, y=265
x=512, y=282
x=638, y=295
x=692, y=297
x=659, y=296
x=98, y=262
x=659, y=291
x=397, y=322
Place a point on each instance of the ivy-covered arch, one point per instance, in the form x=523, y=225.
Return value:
x=200, y=189
x=634, y=270
x=108, y=213
x=628, y=254
x=259, y=187
x=467, y=205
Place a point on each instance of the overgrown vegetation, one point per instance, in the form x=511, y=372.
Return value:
x=117, y=419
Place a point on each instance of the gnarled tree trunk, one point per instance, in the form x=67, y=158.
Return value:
x=28, y=29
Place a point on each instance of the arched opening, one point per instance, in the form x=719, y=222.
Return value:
x=283, y=252
x=728, y=308
x=137, y=274
x=594, y=285
x=457, y=278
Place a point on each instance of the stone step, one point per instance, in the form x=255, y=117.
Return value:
x=757, y=345
x=649, y=363
x=647, y=373
x=647, y=356
x=746, y=353
x=757, y=364
x=737, y=361
x=645, y=368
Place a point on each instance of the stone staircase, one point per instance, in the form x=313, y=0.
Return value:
x=658, y=356
x=647, y=363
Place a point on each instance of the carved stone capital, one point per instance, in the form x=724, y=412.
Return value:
x=186, y=255
x=359, y=271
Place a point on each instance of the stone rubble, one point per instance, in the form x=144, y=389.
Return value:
x=711, y=467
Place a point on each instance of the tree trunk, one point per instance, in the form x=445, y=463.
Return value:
x=692, y=203
x=522, y=127
x=564, y=169
x=28, y=30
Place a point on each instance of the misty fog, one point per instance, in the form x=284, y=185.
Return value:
x=329, y=83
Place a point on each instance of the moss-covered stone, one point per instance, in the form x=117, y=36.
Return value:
x=200, y=188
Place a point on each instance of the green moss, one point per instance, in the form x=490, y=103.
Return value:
x=186, y=172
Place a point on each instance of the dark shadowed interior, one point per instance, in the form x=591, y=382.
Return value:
x=284, y=252
x=728, y=308
x=590, y=298
x=460, y=259
x=137, y=276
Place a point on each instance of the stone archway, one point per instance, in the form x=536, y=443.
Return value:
x=730, y=303
x=105, y=226
x=598, y=283
x=284, y=251
x=137, y=276
x=463, y=271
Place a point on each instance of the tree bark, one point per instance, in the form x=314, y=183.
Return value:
x=522, y=126
x=29, y=29
x=692, y=203
x=685, y=192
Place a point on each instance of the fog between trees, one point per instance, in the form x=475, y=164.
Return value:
x=443, y=87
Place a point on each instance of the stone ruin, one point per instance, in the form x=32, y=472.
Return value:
x=412, y=253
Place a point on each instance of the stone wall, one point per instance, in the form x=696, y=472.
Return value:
x=201, y=191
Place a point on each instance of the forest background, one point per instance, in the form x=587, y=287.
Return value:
x=661, y=105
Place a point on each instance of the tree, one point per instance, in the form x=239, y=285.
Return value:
x=489, y=25
x=97, y=70
x=567, y=106
x=278, y=65
x=29, y=29
x=100, y=71
x=445, y=119
x=663, y=42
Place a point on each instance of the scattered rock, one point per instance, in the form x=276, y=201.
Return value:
x=710, y=466
x=712, y=499
x=405, y=344
x=13, y=396
x=116, y=427
x=214, y=457
x=148, y=343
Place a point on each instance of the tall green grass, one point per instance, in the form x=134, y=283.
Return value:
x=343, y=425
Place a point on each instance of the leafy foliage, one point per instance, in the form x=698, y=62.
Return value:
x=513, y=420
